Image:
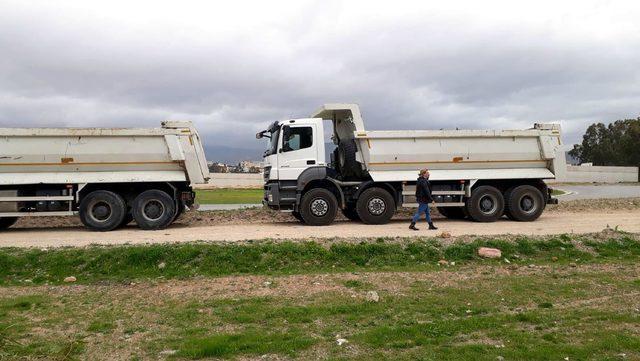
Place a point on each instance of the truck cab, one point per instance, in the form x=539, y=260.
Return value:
x=294, y=146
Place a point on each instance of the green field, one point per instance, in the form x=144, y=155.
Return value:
x=548, y=298
x=229, y=196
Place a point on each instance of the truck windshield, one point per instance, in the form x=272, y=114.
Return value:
x=273, y=145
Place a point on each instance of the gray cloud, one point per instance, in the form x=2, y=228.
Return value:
x=234, y=69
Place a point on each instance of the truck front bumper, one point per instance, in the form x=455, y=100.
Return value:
x=278, y=197
x=271, y=196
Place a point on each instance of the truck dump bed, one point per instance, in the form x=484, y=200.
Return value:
x=449, y=154
x=171, y=153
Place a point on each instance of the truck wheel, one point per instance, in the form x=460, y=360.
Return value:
x=153, y=209
x=375, y=206
x=6, y=222
x=524, y=203
x=351, y=213
x=102, y=210
x=486, y=204
x=453, y=212
x=179, y=210
x=318, y=207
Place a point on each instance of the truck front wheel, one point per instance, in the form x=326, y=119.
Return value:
x=153, y=209
x=524, y=203
x=102, y=210
x=375, y=206
x=318, y=207
x=486, y=204
x=6, y=222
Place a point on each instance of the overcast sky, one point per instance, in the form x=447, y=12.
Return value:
x=234, y=66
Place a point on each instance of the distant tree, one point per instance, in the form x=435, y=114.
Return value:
x=615, y=144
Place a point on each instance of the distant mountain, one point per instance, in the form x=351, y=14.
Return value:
x=232, y=155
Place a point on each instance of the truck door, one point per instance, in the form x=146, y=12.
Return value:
x=298, y=151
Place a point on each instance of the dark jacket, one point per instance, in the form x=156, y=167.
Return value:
x=423, y=191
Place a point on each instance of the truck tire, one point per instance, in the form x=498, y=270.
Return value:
x=486, y=204
x=153, y=209
x=348, y=166
x=351, y=213
x=524, y=203
x=318, y=207
x=453, y=212
x=102, y=210
x=179, y=210
x=6, y=222
x=375, y=206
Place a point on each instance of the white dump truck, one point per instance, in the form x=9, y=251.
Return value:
x=108, y=176
x=476, y=174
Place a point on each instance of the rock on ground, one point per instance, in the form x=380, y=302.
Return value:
x=487, y=252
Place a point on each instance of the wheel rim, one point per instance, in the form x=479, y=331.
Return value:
x=153, y=210
x=319, y=207
x=376, y=206
x=528, y=204
x=100, y=211
x=488, y=204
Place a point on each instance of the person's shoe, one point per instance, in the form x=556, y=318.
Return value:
x=431, y=226
x=413, y=226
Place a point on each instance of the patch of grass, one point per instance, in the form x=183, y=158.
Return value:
x=557, y=192
x=357, y=284
x=229, y=196
x=20, y=304
x=125, y=263
x=100, y=326
x=480, y=314
x=248, y=342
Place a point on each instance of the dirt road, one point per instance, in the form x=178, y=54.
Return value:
x=549, y=223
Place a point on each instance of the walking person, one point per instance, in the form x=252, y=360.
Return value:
x=423, y=196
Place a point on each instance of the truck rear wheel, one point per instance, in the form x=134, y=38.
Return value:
x=453, y=212
x=318, y=207
x=6, y=222
x=524, y=203
x=102, y=210
x=153, y=209
x=486, y=204
x=375, y=206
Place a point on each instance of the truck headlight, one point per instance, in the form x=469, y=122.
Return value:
x=270, y=197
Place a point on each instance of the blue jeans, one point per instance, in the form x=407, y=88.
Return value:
x=422, y=208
